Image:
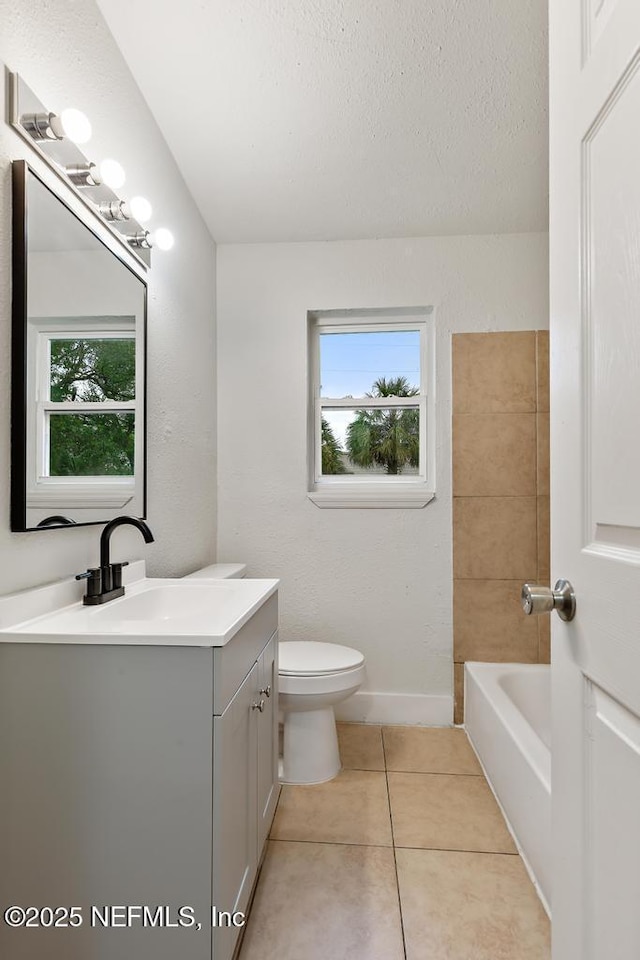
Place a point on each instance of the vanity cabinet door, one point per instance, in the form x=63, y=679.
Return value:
x=234, y=810
x=267, y=737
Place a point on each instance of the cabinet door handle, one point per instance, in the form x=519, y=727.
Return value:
x=258, y=706
x=266, y=691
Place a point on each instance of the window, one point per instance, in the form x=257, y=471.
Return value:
x=371, y=419
x=85, y=415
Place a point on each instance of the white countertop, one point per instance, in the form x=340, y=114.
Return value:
x=153, y=612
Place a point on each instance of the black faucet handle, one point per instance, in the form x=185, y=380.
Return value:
x=116, y=574
x=93, y=577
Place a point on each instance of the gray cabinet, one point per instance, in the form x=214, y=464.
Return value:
x=245, y=796
x=136, y=776
x=267, y=786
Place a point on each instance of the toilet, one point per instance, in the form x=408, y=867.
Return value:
x=312, y=678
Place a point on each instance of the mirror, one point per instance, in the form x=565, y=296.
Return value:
x=78, y=369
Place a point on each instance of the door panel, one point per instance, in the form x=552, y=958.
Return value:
x=596, y=15
x=611, y=254
x=595, y=474
x=612, y=801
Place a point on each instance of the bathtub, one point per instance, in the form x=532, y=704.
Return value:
x=507, y=715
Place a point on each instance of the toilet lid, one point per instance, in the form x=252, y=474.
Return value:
x=306, y=657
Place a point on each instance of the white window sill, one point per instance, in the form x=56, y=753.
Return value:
x=69, y=495
x=345, y=499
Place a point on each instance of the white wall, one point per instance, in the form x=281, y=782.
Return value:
x=379, y=580
x=66, y=54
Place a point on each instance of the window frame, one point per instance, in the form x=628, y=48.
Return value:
x=404, y=490
x=97, y=491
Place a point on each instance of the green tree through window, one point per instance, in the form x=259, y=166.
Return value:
x=93, y=369
x=332, y=452
x=389, y=438
x=86, y=443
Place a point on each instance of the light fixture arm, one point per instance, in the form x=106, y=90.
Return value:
x=114, y=210
x=84, y=174
x=42, y=126
x=140, y=240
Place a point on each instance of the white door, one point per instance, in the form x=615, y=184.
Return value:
x=595, y=456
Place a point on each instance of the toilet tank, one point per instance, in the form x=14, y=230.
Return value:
x=220, y=571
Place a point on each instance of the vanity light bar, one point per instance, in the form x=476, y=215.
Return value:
x=35, y=124
x=54, y=138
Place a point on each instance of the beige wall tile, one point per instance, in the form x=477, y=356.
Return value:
x=494, y=372
x=542, y=429
x=458, y=693
x=360, y=746
x=353, y=808
x=542, y=369
x=470, y=906
x=444, y=812
x=494, y=455
x=315, y=901
x=429, y=750
x=489, y=624
x=494, y=538
x=544, y=540
x=544, y=638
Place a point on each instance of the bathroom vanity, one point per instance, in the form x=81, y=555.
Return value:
x=138, y=768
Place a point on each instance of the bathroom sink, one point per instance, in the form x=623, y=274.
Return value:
x=168, y=602
x=194, y=612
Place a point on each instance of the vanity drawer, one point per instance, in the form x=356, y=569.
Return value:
x=233, y=662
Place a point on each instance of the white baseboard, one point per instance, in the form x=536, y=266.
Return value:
x=428, y=710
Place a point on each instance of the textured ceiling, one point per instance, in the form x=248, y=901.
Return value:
x=338, y=119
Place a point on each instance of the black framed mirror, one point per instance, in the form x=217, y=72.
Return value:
x=78, y=394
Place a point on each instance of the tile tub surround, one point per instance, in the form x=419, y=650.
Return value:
x=368, y=867
x=500, y=466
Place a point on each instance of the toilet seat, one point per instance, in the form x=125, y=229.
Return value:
x=312, y=658
x=312, y=684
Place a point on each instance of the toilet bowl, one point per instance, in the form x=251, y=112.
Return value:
x=312, y=678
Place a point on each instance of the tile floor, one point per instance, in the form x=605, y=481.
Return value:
x=404, y=856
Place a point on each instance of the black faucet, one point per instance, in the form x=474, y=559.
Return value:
x=104, y=583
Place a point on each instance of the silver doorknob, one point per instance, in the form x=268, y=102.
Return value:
x=538, y=599
x=258, y=706
x=266, y=690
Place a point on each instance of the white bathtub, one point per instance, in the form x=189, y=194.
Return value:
x=507, y=715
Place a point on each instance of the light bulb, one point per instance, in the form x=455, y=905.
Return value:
x=112, y=174
x=71, y=125
x=162, y=238
x=141, y=209
x=76, y=125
